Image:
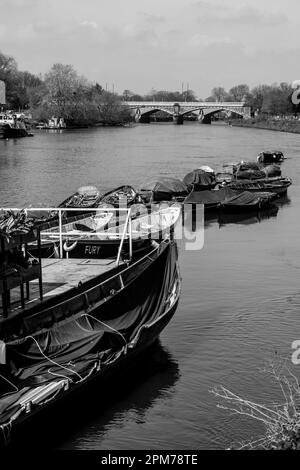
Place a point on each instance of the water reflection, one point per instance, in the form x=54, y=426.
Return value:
x=217, y=217
x=132, y=397
x=247, y=218
x=84, y=420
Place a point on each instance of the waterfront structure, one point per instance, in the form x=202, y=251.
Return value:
x=142, y=110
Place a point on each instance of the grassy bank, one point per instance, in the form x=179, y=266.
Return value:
x=270, y=124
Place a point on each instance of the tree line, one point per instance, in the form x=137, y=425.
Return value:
x=62, y=92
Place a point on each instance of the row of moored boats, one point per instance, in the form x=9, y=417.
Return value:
x=101, y=280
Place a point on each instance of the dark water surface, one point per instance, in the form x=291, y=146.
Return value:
x=241, y=293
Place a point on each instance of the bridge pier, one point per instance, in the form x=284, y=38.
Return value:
x=206, y=119
x=144, y=119
x=178, y=119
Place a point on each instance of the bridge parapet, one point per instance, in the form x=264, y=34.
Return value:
x=183, y=104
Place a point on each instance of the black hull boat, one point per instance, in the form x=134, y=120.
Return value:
x=84, y=198
x=93, y=319
x=269, y=157
x=121, y=196
x=277, y=186
x=247, y=202
x=8, y=132
x=140, y=367
x=227, y=200
x=89, y=197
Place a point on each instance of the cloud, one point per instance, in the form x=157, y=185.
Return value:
x=204, y=40
x=153, y=19
x=243, y=16
x=89, y=24
x=26, y=32
x=18, y=3
x=3, y=30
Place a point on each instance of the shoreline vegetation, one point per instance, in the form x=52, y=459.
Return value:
x=280, y=420
x=64, y=94
x=280, y=125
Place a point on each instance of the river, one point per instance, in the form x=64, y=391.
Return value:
x=240, y=304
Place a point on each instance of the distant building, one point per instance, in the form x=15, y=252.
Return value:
x=2, y=93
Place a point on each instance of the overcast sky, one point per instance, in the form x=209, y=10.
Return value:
x=144, y=44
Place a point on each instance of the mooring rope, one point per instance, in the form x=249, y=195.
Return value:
x=53, y=362
x=108, y=326
x=10, y=383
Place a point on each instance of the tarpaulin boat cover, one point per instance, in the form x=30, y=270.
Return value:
x=69, y=348
x=223, y=196
x=209, y=197
x=199, y=179
x=272, y=171
x=243, y=166
x=250, y=174
x=242, y=199
x=164, y=188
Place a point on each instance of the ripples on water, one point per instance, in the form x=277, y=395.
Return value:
x=241, y=292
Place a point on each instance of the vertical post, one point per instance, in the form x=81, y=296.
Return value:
x=40, y=264
x=60, y=234
x=4, y=294
x=130, y=235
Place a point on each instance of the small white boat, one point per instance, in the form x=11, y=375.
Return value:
x=99, y=235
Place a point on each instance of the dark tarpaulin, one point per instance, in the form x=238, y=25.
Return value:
x=164, y=188
x=80, y=341
x=250, y=174
x=242, y=199
x=225, y=196
x=77, y=343
x=243, y=166
x=272, y=171
x=199, y=179
x=209, y=197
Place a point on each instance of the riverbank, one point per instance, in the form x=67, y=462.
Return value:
x=269, y=124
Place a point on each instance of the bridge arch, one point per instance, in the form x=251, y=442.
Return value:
x=211, y=113
x=207, y=112
x=143, y=114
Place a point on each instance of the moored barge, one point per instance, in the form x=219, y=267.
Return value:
x=81, y=319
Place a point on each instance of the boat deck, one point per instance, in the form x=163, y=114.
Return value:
x=59, y=275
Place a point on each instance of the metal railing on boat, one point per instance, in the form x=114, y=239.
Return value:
x=60, y=234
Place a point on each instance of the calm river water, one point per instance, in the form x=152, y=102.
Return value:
x=241, y=293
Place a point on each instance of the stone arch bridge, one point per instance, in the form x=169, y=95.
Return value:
x=142, y=110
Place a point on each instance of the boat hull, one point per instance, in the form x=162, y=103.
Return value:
x=71, y=400
x=257, y=187
x=12, y=133
x=143, y=297
x=96, y=249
